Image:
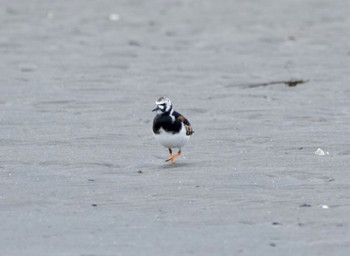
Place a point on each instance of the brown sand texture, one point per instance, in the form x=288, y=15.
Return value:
x=265, y=84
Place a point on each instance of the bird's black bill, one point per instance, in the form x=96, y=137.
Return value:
x=157, y=108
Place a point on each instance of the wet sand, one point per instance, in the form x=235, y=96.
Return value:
x=81, y=173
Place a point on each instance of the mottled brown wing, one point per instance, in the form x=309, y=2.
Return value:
x=189, y=130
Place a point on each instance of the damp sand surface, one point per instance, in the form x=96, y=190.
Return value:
x=263, y=84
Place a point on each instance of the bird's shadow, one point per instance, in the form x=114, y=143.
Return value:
x=176, y=165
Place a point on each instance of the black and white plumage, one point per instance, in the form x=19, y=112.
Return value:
x=170, y=128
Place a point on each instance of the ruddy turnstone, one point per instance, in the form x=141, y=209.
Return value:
x=170, y=128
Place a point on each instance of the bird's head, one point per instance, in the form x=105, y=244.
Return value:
x=163, y=105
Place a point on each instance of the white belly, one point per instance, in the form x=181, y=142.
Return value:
x=170, y=140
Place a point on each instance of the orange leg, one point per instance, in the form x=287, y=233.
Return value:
x=173, y=156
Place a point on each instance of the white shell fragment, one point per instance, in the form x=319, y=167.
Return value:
x=323, y=206
x=320, y=152
x=113, y=17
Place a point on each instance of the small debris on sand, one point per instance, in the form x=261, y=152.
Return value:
x=305, y=205
x=134, y=43
x=276, y=223
x=320, y=152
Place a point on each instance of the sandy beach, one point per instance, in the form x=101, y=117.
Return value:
x=81, y=174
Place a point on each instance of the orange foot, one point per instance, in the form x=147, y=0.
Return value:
x=173, y=156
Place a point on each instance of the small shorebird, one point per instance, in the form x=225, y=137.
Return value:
x=170, y=128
